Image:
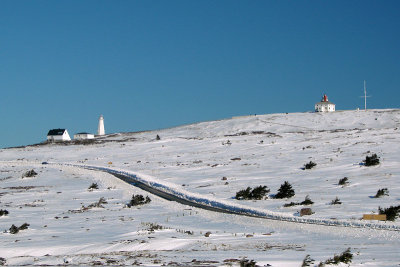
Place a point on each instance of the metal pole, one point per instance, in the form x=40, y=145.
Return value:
x=365, y=96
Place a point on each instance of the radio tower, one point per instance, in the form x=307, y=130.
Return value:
x=365, y=95
x=100, y=128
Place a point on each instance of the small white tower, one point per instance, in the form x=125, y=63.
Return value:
x=100, y=128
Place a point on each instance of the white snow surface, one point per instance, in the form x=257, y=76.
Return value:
x=192, y=160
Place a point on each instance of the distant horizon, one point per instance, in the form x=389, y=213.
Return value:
x=159, y=64
x=191, y=123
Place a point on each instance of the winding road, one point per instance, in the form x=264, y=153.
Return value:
x=174, y=193
x=188, y=198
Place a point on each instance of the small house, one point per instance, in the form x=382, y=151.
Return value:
x=83, y=136
x=55, y=135
x=324, y=105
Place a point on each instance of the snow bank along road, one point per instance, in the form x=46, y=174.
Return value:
x=174, y=193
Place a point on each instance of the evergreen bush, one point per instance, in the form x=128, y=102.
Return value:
x=243, y=194
x=310, y=165
x=343, y=181
x=3, y=213
x=291, y=204
x=24, y=226
x=30, y=173
x=14, y=229
x=307, y=201
x=371, y=160
x=257, y=193
x=93, y=186
x=391, y=213
x=285, y=191
x=382, y=192
x=247, y=263
x=307, y=261
x=336, y=201
x=138, y=200
x=345, y=257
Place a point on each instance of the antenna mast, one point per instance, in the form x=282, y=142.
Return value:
x=365, y=95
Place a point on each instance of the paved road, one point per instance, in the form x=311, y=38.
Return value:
x=204, y=203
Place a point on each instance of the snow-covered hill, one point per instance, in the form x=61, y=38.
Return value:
x=215, y=160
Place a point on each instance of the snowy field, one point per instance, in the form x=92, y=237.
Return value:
x=213, y=160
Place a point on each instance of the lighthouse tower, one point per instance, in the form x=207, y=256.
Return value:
x=100, y=128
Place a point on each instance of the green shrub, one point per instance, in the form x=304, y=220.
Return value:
x=14, y=229
x=3, y=213
x=371, y=160
x=24, y=226
x=153, y=227
x=345, y=257
x=307, y=261
x=247, y=263
x=336, y=201
x=382, y=192
x=30, y=173
x=391, y=213
x=310, y=165
x=243, y=194
x=257, y=193
x=138, y=200
x=343, y=181
x=291, y=204
x=307, y=201
x=93, y=186
x=285, y=191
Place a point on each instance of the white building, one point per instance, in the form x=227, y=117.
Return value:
x=83, y=136
x=100, y=128
x=324, y=105
x=58, y=135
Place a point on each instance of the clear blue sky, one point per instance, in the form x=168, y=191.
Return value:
x=155, y=64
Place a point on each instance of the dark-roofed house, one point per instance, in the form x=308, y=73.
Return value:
x=58, y=135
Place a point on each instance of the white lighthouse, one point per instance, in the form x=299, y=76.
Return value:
x=324, y=105
x=100, y=128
